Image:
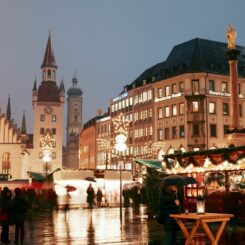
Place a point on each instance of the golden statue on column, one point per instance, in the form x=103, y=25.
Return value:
x=231, y=37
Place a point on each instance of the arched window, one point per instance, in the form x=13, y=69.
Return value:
x=6, y=166
x=49, y=73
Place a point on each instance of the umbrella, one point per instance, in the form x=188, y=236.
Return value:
x=70, y=188
x=178, y=180
x=91, y=179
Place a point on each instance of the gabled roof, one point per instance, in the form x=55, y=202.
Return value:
x=49, y=59
x=196, y=55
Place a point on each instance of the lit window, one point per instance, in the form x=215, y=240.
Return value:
x=144, y=96
x=42, y=118
x=159, y=134
x=181, y=86
x=150, y=112
x=195, y=86
x=149, y=94
x=224, y=87
x=174, y=110
x=195, y=106
x=167, y=114
x=174, y=88
x=167, y=91
x=130, y=101
x=212, y=108
x=181, y=108
x=136, y=116
x=6, y=165
x=53, y=118
x=159, y=92
x=160, y=113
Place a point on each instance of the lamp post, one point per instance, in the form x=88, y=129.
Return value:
x=121, y=130
x=47, y=142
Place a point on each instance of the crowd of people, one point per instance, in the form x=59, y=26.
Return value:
x=13, y=209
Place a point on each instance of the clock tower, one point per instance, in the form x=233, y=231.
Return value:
x=48, y=106
x=74, y=124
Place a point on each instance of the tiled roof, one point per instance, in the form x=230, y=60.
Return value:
x=196, y=55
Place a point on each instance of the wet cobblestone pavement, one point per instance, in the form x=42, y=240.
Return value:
x=102, y=226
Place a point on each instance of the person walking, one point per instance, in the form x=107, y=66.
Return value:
x=99, y=196
x=90, y=196
x=5, y=217
x=20, y=207
x=169, y=204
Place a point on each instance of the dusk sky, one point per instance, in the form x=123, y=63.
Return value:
x=109, y=43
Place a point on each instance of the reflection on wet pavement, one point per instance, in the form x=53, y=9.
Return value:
x=101, y=226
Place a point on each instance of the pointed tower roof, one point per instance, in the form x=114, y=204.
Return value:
x=8, y=111
x=35, y=85
x=49, y=59
x=23, y=125
x=62, y=86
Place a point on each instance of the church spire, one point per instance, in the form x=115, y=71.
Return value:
x=35, y=85
x=23, y=125
x=8, y=111
x=49, y=59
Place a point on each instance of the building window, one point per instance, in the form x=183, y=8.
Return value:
x=42, y=117
x=53, y=155
x=166, y=133
x=195, y=129
x=181, y=108
x=174, y=88
x=195, y=106
x=136, y=116
x=159, y=134
x=225, y=109
x=149, y=94
x=212, y=108
x=159, y=92
x=174, y=110
x=224, y=87
x=6, y=166
x=167, y=91
x=41, y=130
x=160, y=113
x=174, y=132
x=53, y=131
x=181, y=86
x=211, y=85
x=213, y=131
x=53, y=118
x=49, y=73
x=167, y=114
x=182, y=131
x=239, y=88
x=195, y=86
x=240, y=110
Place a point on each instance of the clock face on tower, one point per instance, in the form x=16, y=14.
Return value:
x=48, y=109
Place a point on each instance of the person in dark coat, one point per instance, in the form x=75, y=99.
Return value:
x=90, y=196
x=6, y=208
x=169, y=204
x=99, y=196
x=20, y=207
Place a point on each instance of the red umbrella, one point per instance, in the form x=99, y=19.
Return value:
x=70, y=188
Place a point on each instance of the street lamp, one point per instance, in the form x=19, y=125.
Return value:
x=121, y=130
x=47, y=142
